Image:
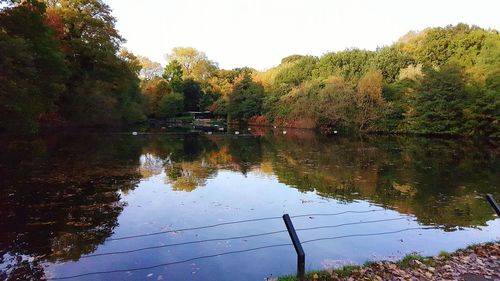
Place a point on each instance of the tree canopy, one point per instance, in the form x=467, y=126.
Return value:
x=437, y=81
x=195, y=64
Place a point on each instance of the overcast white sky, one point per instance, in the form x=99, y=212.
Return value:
x=259, y=33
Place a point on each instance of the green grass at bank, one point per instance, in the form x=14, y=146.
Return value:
x=347, y=270
x=404, y=262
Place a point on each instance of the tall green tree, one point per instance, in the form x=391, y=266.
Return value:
x=173, y=74
x=482, y=110
x=32, y=67
x=191, y=90
x=171, y=105
x=391, y=60
x=102, y=86
x=459, y=44
x=349, y=64
x=437, y=105
x=298, y=70
x=246, y=98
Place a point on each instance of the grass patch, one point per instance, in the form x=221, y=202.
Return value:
x=406, y=262
x=346, y=270
x=444, y=254
x=287, y=278
x=369, y=263
x=323, y=275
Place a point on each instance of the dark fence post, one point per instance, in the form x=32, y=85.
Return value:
x=493, y=203
x=301, y=256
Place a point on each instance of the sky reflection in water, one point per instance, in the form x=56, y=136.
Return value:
x=65, y=195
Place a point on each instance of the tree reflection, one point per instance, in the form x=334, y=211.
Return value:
x=187, y=176
x=440, y=181
x=61, y=197
x=188, y=161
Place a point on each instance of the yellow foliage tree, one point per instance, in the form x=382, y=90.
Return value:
x=369, y=101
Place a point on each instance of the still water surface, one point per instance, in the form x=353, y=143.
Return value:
x=67, y=196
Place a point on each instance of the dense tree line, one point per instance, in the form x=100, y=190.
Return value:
x=438, y=81
x=192, y=82
x=413, y=86
x=62, y=64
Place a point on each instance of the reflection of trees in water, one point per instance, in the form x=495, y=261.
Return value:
x=188, y=161
x=448, y=180
x=61, y=197
x=21, y=268
x=187, y=176
x=150, y=165
x=332, y=167
x=183, y=158
x=246, y=151
x=439, y=181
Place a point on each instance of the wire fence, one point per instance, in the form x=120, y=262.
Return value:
x=238, y=238
x=234, y=238
x=170, y=263
x=235, y=222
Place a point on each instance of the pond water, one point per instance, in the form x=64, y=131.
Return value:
x=69, y=200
